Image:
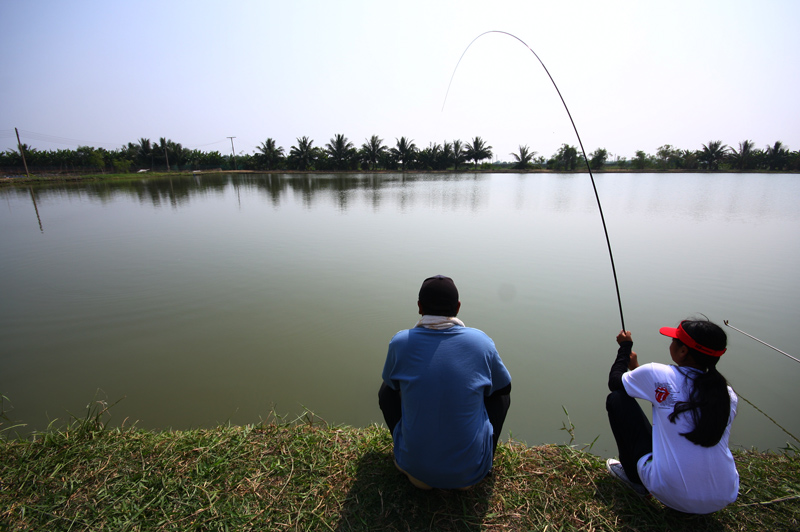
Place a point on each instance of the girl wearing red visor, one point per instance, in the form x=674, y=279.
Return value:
x=683, y=459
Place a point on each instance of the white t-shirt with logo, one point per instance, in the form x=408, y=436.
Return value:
x=679, y=473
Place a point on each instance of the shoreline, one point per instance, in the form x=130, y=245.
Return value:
x=308, y=475
x=11, y=180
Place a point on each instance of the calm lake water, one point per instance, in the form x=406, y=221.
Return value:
x=216, y=299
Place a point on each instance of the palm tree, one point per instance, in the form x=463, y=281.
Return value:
x=742, y=157
x=340, y=151
x=776, y=156
x=145, y=153
x=458, y=154
x=15, y=156
x=172, y=151
x=404, y=151
x=64, y=158
x=429, y=157
x=163, y=147
x=523, y=157
x=478, y=151
x=713, y=153
x=270, y=154
x=372, y=151
x=302, y=155
x=130, y=150
x=446, y=156
x=688, y=159
x=180, y=153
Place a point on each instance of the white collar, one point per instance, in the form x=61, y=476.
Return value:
x=439, y=322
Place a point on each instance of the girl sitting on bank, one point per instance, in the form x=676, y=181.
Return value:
x=683, y=459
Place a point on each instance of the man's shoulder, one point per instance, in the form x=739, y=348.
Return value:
x=401, y=335
x=456, y=329
x=475, y=332
x=477, y=338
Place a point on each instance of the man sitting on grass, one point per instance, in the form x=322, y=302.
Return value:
x=445, y=394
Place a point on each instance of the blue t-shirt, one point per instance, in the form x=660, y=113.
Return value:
x=444, y=437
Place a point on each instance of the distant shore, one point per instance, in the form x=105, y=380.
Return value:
x=11, y=180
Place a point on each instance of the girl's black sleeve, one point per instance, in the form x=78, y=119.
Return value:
x=620, y=366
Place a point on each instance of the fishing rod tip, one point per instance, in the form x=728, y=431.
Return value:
x=725, y=322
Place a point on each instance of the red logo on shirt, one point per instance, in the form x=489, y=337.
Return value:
x=662, y=392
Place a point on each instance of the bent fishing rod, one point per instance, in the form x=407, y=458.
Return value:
x=580, y=142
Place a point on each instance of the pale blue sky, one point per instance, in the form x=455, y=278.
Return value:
x=635, y=74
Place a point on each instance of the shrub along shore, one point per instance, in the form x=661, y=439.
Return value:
x=308, y=475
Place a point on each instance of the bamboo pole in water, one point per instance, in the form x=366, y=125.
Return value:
x=22, y=152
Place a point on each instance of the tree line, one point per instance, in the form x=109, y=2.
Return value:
x=340, y=154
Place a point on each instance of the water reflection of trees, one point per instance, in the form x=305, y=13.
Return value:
x=341, y=188
x=179, y=191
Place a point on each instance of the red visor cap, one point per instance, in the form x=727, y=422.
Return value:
x=679, y=334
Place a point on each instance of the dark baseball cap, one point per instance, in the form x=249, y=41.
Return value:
x=438, y=296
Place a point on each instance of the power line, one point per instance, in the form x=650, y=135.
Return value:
x=33, y=136
x=207, y=144
x=53, y=139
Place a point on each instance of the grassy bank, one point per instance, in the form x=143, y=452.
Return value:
x=71, y=178
x=307, y=475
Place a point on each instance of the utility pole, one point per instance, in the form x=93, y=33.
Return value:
x=166, y=156
x=22, y=152
x=233, y=151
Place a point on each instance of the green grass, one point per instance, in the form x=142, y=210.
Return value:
x=308, y=475
x=63, y=178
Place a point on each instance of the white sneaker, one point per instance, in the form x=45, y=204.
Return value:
x=618, y=472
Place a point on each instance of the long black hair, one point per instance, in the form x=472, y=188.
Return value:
x=709, y=403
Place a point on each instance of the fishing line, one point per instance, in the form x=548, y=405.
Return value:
x=583, y=151
x=726, y=322
x=760, y=341
x=740, y=396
